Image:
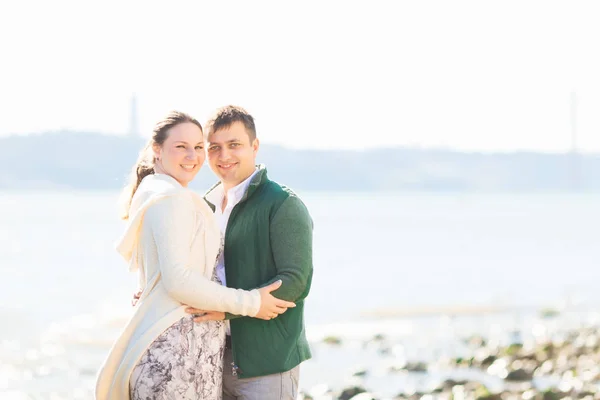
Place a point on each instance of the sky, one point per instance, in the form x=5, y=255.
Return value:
x=469, y=75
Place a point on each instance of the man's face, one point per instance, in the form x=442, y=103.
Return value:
x=231, y=155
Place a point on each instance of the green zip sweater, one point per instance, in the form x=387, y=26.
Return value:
x=269, y=237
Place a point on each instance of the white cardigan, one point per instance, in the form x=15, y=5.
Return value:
x=173, y=241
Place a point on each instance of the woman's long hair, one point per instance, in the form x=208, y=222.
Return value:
x=146, y=160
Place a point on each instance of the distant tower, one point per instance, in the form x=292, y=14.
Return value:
x=134, y=127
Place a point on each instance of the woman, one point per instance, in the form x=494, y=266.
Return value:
x=173, y=242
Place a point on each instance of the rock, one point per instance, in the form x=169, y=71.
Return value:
x=585, y=393
x=489, y=397
x=530, y=394
x=378, y=338
x=483, y=393
x=483, y=358
x=549, y=313
x=546, y=351
x=546, y=368
x=363, y=396
x=416, y=367
x=476, y=341
x=464, y=362
x=350, y=392
x=406, y=396
x=333, y=340
x=360, y=372
x=513, y=349
x=409, y=366
x=529, y=355
x=448, y=384
x=552, y=394
x=319, y=391
x=519, y=375
x=487, y=361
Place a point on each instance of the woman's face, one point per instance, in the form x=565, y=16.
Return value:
x=182, y=154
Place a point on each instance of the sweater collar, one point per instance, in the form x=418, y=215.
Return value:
x=258, y=177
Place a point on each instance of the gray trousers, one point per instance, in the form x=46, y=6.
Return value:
x=283, y=386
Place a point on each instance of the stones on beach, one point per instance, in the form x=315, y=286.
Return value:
x=544, y=364
x=360, y=372
x=476, y=341
x=378, y=337
x=447, y=385
x=318, y=392
x=332, y=340
x=519, y=375
x=412, y=396
x=416, y=366
x=380, y=343
x=549, y=313
x=350, y=392
x=487, y=361
x=552, y=394
x=462, y=362
x=513, y=349
x=364, y=396
x=323, y=392
x=483, y=393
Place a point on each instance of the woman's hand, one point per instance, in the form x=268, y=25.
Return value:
x=270, y=306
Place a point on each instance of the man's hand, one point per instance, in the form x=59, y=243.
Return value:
x=203, y=316
x=270, y=306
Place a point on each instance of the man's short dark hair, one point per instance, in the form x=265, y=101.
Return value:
x=224, y=117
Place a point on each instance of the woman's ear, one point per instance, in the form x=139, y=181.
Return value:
x=156, y=151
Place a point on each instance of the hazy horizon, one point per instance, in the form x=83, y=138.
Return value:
x=328, y=149
x=467, y=75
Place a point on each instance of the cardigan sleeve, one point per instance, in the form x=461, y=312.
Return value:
x=172, y=222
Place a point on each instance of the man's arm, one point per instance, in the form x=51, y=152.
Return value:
x=291, y=242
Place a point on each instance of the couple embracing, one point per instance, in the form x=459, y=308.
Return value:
x=223, y=278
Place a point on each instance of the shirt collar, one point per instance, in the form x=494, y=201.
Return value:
x=234, y=194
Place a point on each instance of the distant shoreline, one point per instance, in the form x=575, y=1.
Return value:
x=94, y=161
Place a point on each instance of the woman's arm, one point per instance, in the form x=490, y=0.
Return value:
x=172, y=224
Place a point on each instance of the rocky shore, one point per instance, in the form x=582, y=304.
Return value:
x=547, y=364
x=522, y=356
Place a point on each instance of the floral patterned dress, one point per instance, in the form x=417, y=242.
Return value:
x=184, y=362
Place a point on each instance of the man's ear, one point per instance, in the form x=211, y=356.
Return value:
x=255, y=145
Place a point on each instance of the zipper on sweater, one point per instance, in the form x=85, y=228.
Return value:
x=235, y=370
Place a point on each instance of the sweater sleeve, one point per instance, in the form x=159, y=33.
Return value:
x=172, y=223
x=291, y=244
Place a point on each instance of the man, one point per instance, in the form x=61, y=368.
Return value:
x=268, y=237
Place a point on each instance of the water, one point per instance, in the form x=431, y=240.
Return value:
x=64, y=291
